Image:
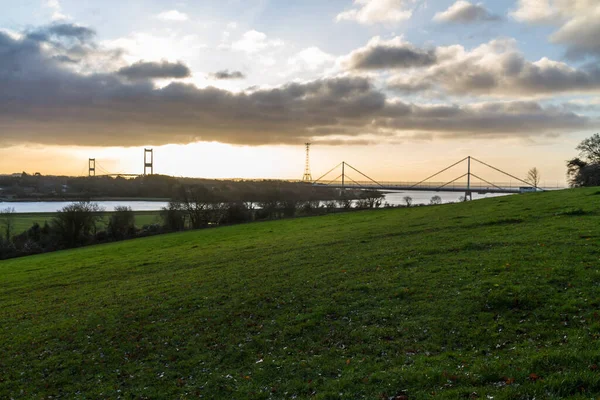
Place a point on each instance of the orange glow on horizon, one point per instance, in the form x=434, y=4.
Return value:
x=398, y=162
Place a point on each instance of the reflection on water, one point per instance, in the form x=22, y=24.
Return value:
x=395, y=198
x=52, y=206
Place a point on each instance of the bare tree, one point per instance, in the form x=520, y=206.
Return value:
x=76, y=223
x=589, y=149
x=7, y=219
x=408, y=200
x=435, y=200
x=201, y=205
x=585, y=169
x=533, y=177
x=122, y=222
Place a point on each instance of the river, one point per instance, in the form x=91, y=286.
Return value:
x=395, y=198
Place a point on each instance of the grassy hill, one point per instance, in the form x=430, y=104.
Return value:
x=496, y=297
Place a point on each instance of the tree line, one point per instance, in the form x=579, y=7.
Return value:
x=191, y=207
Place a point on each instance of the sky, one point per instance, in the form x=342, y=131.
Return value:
x=234, y=88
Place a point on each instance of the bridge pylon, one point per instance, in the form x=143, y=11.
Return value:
x=149, y=161
x=91, y=167
x=468, y=193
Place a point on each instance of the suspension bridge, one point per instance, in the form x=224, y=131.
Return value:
x=467, y=182
x=148, y=167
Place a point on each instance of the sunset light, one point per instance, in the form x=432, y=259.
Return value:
x=299, y=199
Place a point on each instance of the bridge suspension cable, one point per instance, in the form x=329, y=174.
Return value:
x=467, y=186
x=505, y=173
x=439, y=172
x=372, y=180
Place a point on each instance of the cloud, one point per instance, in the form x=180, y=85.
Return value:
x=576, y=20
x=370, y=12
x=155, y=70
x=465, y=12
x=488, y=119
x=74, y=45
x=536, y=11
x=43, y=101
x=226, y=74
x=254, y=41
x=311, y=58
x=63, y=31
x=391, y=54
x=54, y=4
x=496, y=68
x=172, y=15
x=56, y=8
x=168, y=45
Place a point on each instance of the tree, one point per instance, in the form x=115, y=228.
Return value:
x=435, y=200
x=533, y=177
x=74, y=224
x=589, y=149
x=7, y=219
x=585, y=169
x=408, y=200
x=121, y=223
x=372, y=198
x=173, y=216
x=201, y=205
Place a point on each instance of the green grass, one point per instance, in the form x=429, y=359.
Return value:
x=496, y=297
x=24, y=221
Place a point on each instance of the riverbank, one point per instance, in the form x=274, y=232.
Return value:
x=156, y=204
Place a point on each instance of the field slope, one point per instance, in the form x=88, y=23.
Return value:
x=496, y=297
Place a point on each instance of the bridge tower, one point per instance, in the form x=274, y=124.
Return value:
x=148, y=161
x=468, y=193
x=307, y=177
x=91, y=167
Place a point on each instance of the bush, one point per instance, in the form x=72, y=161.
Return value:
x=236, y=213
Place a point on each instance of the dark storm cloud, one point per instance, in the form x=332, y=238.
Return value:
x=155, y=70
x=226, y=74
x=44, y=101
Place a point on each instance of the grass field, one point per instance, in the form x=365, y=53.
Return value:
x=496, y=298
x=24, y=221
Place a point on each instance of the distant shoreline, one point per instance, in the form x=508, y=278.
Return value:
x=78, y=199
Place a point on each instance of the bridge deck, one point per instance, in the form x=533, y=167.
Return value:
x=432, y=188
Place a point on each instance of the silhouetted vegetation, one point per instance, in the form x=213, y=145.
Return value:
x=585, y=169
x=193, y=206
x=435, y=200
x=75, y=224
x=7, y=222
x=35, y=187
x=122, y=223
x=533, y=177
